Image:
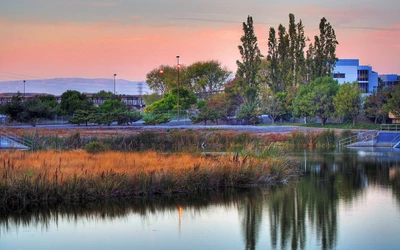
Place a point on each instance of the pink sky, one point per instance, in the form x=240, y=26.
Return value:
x=95, y=39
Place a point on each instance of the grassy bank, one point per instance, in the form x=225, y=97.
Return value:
x=185, y=140
x=77, y=176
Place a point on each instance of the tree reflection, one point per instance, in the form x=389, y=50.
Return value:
x=250, y=211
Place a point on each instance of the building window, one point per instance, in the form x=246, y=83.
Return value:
x=363, y=75
x=363, y=86
x=339, y=75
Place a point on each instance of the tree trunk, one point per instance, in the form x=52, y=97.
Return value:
x=323, y=120
x=354, y=121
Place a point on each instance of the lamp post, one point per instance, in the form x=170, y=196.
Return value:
x=114, y=82
x=178, y=66
x=24, y=89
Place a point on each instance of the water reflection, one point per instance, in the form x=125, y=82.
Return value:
x=307, y=214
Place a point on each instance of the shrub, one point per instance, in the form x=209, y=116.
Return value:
x=95, y=147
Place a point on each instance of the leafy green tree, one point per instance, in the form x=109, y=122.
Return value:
x=162, y=79
x=72, y=100
x=207, y=76
x=82, y=116
x=250, y=64
x=109, y=106
x=348, y=101
x=316, y=99
x=170, y=101
x=35, y=109
x=51, y=102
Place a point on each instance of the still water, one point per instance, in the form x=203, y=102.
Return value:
x=345, y=200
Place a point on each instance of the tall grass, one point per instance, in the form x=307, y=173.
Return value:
x=77, y=176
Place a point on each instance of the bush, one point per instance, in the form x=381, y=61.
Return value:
x=95, y=147
x=156, y=119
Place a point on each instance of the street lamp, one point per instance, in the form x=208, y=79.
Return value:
x=114, y=82
x=24, y=89
x=178, y=66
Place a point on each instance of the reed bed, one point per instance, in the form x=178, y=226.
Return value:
x=77, y=176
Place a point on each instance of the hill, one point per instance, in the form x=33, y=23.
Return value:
x=57, y=86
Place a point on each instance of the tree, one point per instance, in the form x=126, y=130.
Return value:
x=72, y=100
x=14, y=108
x=214, y=109
x=82, y=116
x=102, y=94
x=170, y=101
x=393, y=105
x=322, y=54
x=271, y=105
x=50, y=101
x=316, y=99
x=375, y=105
x=109, y=106
x=348, y=101
x=208, y=75
x=250, y=64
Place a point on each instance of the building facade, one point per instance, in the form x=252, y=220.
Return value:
x=350, y=70
x=389, y=80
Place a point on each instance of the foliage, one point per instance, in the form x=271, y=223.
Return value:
x=249, y=113
x=170, y=101
x=326, y=139
x=250, y=64
x=150, y=99
x=348, y=101
x=286, y=56
x=271, y=105
x=321, y=55
x=316, y=99
x=72, y=100
x=95, y=147
x=51, y=102
x=102, y=94
x=82, y=116
x=393, y=105
x=28, y=110
x=162, y=79
x=109, y=106
x=374, y=106
x=156, y=119
x=207, y=76
x=215, y=108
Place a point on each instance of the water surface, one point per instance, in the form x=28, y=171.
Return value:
x=345, y=200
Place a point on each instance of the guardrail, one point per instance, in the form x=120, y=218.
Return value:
x=390, y=127
x=11, y=137
x=368, y=135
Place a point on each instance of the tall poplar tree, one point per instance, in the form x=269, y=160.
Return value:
x=323, y=51
x=251, y=61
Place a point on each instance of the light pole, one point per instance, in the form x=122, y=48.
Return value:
x=178, y=66
x=114, y=82
x=24, y=89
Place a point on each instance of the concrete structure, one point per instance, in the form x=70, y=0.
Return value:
x=350, y=70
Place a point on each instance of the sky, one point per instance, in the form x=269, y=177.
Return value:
x=42, y=39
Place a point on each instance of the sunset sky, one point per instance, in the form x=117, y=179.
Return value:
x=42, y=39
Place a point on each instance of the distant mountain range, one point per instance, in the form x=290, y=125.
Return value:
x=58, y=86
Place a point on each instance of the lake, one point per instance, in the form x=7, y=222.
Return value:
x=345, y=200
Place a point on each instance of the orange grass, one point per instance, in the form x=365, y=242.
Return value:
x=50, y=176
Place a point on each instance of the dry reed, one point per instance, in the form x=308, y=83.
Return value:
x=77, y=176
